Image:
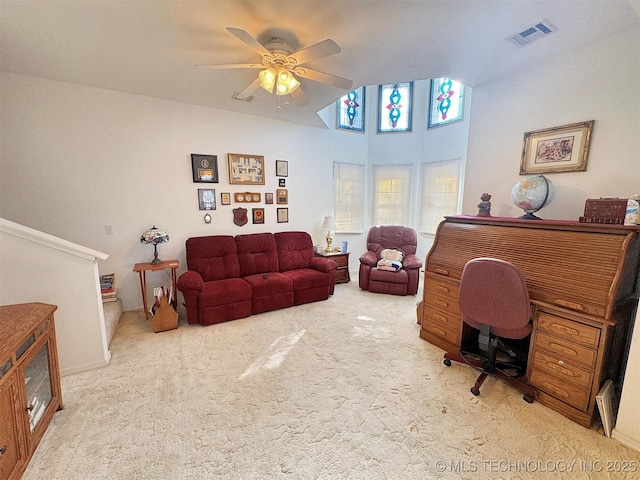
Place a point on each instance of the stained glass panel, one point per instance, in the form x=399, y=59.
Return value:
x=446, y=102
x=394, y=107
x=350, y=110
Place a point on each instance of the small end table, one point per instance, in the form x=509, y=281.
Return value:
x=342, y=259
x=142, y=269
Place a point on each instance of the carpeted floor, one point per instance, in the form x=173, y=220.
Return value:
x=340, y=389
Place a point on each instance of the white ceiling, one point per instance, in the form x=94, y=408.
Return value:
x=149, y=47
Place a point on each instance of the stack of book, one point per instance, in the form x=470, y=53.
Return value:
x=109, y=293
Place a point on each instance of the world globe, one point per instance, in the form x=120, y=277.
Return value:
x=531, y=194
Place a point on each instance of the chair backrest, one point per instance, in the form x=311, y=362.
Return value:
x=257, y=253
x=494, y=292
x=395, y=237
x=214, y=257
x=295, y=250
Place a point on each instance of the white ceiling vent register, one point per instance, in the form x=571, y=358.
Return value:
x=534, y=32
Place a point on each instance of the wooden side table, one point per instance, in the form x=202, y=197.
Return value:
x=342, y=259
x=142, y=269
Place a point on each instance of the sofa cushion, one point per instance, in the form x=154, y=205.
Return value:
x=304, y=278
x=295, y=250
x=270, y=291
x=257, y=253
x=220, y=292
x=214, y=257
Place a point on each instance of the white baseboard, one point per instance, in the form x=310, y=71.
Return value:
x=85, y=367
x=626, y=440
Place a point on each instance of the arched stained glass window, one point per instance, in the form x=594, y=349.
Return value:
x=446, y=102
x=350, y=110
x=394, y=107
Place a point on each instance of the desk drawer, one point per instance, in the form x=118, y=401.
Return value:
x=569, y=330
x=441, y=288
x=442, y=296
x=562, y=370
x=442, y=319
x=565, y=350
x=562, y=390
x=445, y=333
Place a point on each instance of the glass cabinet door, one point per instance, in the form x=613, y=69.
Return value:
x=37, y=381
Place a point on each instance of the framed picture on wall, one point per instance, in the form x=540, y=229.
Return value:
x=206, y=199
x=283, y=215
x=268, y=198
x=282, y=168
x=204, y=168
x=225, y=198
x=246, y=169
x=557, y=149
x=282, y=196
x=258, y=215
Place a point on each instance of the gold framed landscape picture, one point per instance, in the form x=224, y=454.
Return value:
x=557, y=149
x=246, y=169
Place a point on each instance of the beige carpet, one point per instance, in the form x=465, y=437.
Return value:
x=343, y=388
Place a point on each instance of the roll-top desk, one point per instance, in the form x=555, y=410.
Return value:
x=582, y=281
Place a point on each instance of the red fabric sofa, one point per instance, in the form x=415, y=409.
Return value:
x=235, y=277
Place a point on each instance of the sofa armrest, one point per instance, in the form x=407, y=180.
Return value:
x=321, y=264
x=411, y=261
x=369, y=259
x=190, y=280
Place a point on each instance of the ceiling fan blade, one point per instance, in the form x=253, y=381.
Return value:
x=322, y=77
x=249, y=90
x=319, y=50
x=249, y=40
x=299, y=97
x=222, y=66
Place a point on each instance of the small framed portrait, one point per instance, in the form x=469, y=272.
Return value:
x=225, y=198
x=282, y=182
x=268, y=198
x=204, y=168
x=207, y=199
x=283, y=215
x=282, y=196
x=258, y=215
x=282, y=168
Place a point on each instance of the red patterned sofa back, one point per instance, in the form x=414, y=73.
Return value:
x=295, y=250
x=214, y=257
x=395, y=237
x=257, y=253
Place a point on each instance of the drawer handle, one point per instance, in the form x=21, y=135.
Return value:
x=3, y=450
x=568, y=304
x=442, y=271
x=563, y=329
x=559, y=368
x=441, y=303
x=439, y=317
x=556, y=391
x=439, y=332
x=31, y=407
x=441, y=288
x=563, y=349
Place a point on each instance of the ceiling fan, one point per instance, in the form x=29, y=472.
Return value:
x=281, y=65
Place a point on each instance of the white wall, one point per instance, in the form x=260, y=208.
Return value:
x=598, y=82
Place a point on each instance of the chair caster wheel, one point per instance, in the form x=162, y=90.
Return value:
x=447, y=362
x=528, y=398
x=475, y=391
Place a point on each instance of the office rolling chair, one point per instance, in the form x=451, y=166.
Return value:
x=494, y=299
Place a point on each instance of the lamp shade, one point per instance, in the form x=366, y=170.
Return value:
x=154, y=236
x=329, y=224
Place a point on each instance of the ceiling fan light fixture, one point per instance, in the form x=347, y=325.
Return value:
x=268, y=79
x=286, y=82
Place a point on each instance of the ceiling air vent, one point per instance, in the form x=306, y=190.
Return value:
x=533, y=33
x=248, y=99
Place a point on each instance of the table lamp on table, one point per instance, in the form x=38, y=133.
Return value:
x=154, y=236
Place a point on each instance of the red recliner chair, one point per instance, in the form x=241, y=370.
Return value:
x=403, y=281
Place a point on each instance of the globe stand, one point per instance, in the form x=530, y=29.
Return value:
x=529, y=216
